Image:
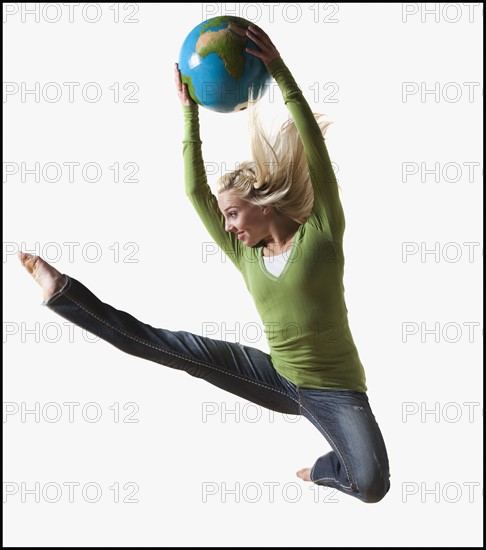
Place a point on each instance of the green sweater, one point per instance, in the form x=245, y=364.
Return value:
x=303, y=311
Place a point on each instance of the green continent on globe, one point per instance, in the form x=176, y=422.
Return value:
x=190, y=87
x=224, y=20
x=228, y=45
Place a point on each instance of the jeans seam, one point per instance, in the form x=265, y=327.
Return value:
x=170, y=352
x=340, y=454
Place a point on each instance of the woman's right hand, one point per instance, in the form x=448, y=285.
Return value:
x=267, y=52
x=181, y=88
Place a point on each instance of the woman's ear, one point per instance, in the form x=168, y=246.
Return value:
x=266, y=209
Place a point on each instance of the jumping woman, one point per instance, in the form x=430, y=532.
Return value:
x=280, y=221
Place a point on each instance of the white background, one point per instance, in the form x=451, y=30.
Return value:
x=207, y=480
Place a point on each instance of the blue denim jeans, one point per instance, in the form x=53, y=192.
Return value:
x=357, y=464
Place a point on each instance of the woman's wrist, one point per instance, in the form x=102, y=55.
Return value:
x=274, y=64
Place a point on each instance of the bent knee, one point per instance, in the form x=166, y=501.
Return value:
x=373, y=491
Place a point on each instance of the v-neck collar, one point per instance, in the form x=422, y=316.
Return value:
x=297, y=238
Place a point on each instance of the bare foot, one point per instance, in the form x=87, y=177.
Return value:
x=304, y=474
x=47, y=276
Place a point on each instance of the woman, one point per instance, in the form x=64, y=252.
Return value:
x=285, y=201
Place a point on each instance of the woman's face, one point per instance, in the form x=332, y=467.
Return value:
x=243, y=218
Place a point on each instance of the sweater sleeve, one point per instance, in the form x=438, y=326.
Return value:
x=327, y=212
x=198, y=190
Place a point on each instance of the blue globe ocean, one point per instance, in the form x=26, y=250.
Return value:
x=216, y=68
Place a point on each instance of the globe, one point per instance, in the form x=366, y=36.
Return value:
x=219, y=73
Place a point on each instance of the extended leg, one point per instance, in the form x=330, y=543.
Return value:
x=241, y=370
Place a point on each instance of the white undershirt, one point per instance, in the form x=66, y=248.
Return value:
x=275, y=264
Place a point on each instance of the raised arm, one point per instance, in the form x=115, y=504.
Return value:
x=196, y=185
x=327, y=209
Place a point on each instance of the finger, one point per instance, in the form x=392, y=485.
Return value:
x=237, y=30
x=260, y=42
x=256, y=40
x=177, y=77
x=261, y=35
x=255, y=28
x=257, y=31
x=250, y=32
x=256, y=53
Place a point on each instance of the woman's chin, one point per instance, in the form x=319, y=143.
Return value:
x=245, y=239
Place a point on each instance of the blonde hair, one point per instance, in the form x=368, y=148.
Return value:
x=278, y=174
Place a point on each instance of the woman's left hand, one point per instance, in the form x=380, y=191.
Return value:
x=268, y=52
x=181, y=88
